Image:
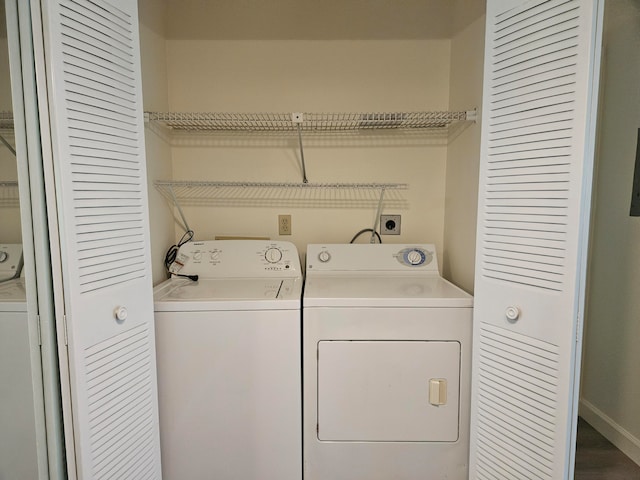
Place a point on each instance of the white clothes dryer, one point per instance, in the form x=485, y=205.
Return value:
x=386, y=365
x=229, y=362
x=10, y=261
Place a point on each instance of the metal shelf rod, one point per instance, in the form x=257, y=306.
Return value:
x=8, y=145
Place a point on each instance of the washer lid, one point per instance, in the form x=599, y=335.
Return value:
x=179, y=294
x=383, y=291
x=13, y=296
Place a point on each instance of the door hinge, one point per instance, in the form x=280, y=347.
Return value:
x=317, y=429
x=39, y=330
x=64, y=321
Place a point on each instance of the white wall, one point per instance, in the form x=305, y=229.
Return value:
x=313, y=76
x=463, y=156
x=611, y=363
x=154, y=85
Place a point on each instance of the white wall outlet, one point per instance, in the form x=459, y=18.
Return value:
x=390, y=224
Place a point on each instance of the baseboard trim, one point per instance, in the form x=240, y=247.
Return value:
x=613, y=432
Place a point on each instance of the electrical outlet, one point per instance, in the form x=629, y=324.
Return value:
x=284, y=224
x=389, y=224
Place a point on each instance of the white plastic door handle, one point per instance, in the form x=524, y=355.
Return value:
x=512, y=313
x=121, y=314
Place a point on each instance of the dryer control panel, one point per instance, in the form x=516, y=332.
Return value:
x=10, y=260
x=371, y=257
x=237, y=258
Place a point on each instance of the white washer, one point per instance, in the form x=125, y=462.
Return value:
x=229, y=362
x=18, y=441
x=387, y=360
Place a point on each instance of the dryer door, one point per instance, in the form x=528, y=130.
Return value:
x=388, y=391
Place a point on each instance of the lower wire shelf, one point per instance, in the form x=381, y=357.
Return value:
x=9, y=196
x=277, y=194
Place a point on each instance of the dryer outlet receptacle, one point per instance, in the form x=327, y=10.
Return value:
x=390, y=224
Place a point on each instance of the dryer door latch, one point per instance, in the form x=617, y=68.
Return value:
x=438, y=391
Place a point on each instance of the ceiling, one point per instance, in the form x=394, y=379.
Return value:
x=316, y=19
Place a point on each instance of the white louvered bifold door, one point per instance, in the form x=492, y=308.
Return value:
x=95, y=100
x=541, y=72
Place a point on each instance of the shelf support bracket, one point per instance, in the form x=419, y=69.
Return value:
x=377, y=219
x=298, y=118
x=177, y=204
x=8, y=145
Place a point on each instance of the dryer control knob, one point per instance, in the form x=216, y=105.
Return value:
x=121, y=314
x=324, y=256
x=415, y=257
x=512, y=313
x=3, y=257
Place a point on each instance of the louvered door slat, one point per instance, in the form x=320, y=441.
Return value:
x=108, y=157
x=109, y=97
x=539, y=17
x=536, y=156
x=94, y=64
x=82, y=213
x=88, y=166
x=98, y=240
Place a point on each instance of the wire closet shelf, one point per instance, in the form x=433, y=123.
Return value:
x=308, y=122
x=6, y=120
x=9, y=194
x=276, y=194
x=6, y=131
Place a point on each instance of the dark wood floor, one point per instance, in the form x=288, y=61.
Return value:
x=598, y=459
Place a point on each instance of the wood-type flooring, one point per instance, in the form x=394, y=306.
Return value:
x=598, y=459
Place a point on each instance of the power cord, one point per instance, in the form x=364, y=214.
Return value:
x=365, y=230
x=172, y=253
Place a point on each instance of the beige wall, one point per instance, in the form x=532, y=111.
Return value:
x=463, y=157
x=313, y=76
x=154, y=86
x=10, y=226
x=611, y=363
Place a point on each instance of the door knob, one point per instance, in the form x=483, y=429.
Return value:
x=512, y=313
x=121, y=314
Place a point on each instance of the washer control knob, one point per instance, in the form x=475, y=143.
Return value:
x=512, y=313
x=120, y=313
x=197, y=256
x=273, y=255
x=215, y=255
x=3, y=257
x=324, y=256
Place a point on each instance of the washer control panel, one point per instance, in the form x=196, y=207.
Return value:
x=237, y=258
x=371, y=257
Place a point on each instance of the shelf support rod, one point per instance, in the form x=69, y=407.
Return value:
x=8, y=145
x=177, y=204
x=377, y=219
x=298, y=118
